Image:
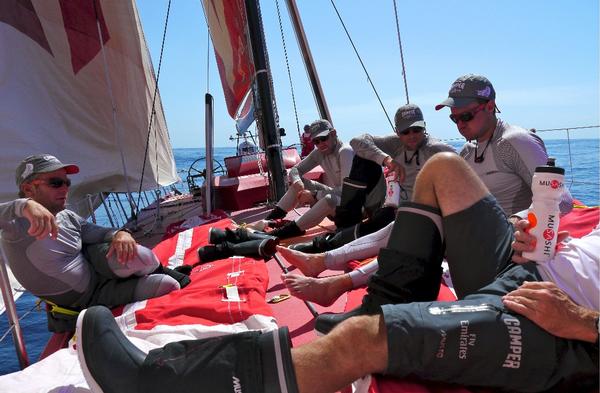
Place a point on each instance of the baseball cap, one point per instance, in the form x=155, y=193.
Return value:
x=320, y=127
x=41, y=163
x=408, y=116
x=468, y=89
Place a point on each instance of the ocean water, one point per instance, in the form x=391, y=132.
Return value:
x=579, y=158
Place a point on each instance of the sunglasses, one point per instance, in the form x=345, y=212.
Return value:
x=55, y=182
x=320, y=139
x=412, y=130
x=467, y=116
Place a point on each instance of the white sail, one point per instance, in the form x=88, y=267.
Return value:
x=65, y=92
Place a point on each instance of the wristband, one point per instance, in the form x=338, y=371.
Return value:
x=598, y=328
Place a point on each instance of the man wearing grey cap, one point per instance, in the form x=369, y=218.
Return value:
x=411, y=147
x=60, y=257
x=504, y=156
x=335, y=158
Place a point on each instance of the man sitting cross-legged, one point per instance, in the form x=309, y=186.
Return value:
x=517, y=326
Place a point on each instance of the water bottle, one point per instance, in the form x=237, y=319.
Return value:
x=547, y=187
x=392, y=195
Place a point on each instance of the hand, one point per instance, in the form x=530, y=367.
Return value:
x=305, y=197
x=525, y=241
x=395, y=168
x=124, y=245
x=42, y=222
x=551, y=309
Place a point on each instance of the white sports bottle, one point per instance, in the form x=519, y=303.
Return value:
x=547, y=187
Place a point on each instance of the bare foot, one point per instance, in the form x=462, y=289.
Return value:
x=322, y=290
x=310, y=264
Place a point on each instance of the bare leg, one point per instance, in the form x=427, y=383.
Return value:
x=364, y=335
x=321, y=290
x=310, y=264
x=448, y=183
x=290, y=198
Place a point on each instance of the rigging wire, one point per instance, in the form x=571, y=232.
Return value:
x=287, y=64
x=401, y=53
x=362, y=64
x=153, y=111
x=115, y=119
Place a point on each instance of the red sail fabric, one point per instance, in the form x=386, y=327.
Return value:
x=77, y=83
x=227, y=23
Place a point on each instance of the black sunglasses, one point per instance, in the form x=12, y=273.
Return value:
x=320, y=139
x=467, y=116
x=56, y=182
x=414, y=130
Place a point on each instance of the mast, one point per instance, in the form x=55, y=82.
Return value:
x=309, y=64
x=264, y=101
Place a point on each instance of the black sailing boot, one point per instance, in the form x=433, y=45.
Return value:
x=178, y=274
x=409, y=267
x=243, y=362
x=238, y=235
x=276, y=214
x=363, y=178
x=264, y=248
x=290, y=229
x=349, y=212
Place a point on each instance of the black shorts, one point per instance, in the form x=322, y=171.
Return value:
x=478, y=245
x=477, y=342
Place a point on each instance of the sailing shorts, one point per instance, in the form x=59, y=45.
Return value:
x=478, y=245
x=477, y=342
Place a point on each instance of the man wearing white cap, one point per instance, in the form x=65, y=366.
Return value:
x=335, y=158
x=62, y=258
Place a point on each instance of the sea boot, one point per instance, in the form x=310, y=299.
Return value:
x=178, y=274
x=409, y=267
x=362, y=179
x=276, y=214
x=264, y=248
x=238, y=235
x=244, y=362
x=349, y=212
x=290, y=229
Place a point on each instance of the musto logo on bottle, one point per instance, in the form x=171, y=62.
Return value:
x=553, y=184
x=547, y=233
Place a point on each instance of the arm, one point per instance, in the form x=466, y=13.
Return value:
x=376, y=148
x=42, y=222
x=522, y=152
x=551, y=309
x=122, y=244
x=308, y=163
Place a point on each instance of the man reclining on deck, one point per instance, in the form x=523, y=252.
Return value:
x=517, y=326
x=335, y=158
x=60, y=257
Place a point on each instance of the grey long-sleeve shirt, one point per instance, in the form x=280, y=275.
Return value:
x=508, y=166
x=50, y=267
x=336, y=166
x=377, y=148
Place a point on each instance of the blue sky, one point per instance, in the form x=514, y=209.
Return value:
x=541, y=56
